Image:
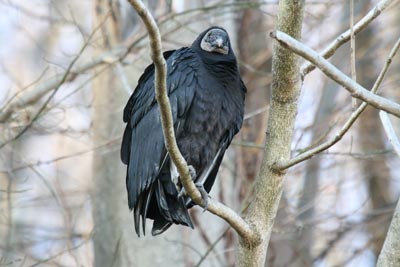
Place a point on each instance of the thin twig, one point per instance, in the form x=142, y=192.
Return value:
x=61, y=82
x=32, y=96
x=352, y=51
x=119, y=70
x=335, y=74
x=255, y=113
x=23, y=90
x=310, y=153
x=345, y=36
x=42, y=261
x=210, y=248
x=244, y=230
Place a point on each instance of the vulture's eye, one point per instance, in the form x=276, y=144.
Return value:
x=215, y=41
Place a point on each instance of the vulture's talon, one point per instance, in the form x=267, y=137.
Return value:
x=203, y=192
x=192, y=172
x=204, y=195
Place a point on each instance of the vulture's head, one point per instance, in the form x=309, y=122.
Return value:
x=215, y=40
x=214, y=46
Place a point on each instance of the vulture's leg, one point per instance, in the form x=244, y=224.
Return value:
x=199, y=185
x=204, y=194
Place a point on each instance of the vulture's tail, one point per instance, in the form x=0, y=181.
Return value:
x=162, y=204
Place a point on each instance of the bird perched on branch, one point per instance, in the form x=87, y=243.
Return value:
x=206, y=94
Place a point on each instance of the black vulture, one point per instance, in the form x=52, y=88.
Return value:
x=207, y=101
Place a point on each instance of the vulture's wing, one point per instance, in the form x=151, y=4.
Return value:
x=143, y=148
x=208, y=177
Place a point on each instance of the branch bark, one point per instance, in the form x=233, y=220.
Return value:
x=248, y=235
x=390, y=132
x=332, y=72
x=286, y=86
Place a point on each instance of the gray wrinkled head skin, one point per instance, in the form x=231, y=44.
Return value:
x=215, y=41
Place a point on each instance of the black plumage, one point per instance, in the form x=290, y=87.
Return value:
x=207, y=101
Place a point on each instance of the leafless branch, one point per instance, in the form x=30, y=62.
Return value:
x=203, y=257
x=354, y=116
x=243, y=229
x=335, y=74
x=352, y=50
x=32, y=96
x=389, y=130
x=345, y=36
x=63, y=79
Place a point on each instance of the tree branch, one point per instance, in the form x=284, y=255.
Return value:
x=27, y=98
x=354, y=116
x=345, y=36
x=332, y=72
x=389, y=130
x=247, y=234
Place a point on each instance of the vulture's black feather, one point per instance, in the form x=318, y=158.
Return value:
x=207, y=101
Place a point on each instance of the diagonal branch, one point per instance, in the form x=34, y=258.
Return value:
x=389, y=130
x=345, y=36
x=62, y=80
x=244, y=230
x=335, y=74
x=35, y=94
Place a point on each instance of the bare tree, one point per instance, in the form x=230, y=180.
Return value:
x=49, y=166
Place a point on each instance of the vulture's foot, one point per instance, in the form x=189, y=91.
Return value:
x=199, y=186
x=192, y=172
x=204, y=195
x=203, y=192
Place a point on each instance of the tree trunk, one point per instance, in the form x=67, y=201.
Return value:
x=286, y=86
x=390, y=256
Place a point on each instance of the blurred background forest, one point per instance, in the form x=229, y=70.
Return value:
x=67, y=69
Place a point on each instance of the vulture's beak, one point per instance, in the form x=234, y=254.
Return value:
x=219, y=43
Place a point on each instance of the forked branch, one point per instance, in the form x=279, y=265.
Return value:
x=350, y=121
x=335, y=74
